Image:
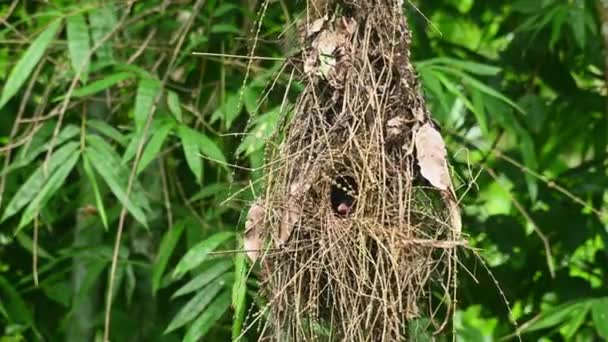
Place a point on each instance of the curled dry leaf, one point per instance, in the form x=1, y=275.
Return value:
x=253, y=230
x=431, y=155
x=316, y=26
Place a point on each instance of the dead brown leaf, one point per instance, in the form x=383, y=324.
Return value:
x=431, y=155
x=253, y=231
x=316, y=26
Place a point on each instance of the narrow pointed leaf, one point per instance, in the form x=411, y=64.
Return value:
x=115, y=175
x=197, y=254
x=210, y=149
x=79, y=45
x=154, y=145
x=107, y=130
x=99, y=85
x=599, y=312
x=147, y=90
x=239, y=292
x=103, y=21
x=207, y=319
x=39, y=144
x=555, y=316
x=167, y=245
x=28, y=191
x=27, y=243
x=15, y=306
x=98, y=199
x=25, y=65
x=50, y=187
x=174, y=105
x=204, y=278
x=197, y=304
x=189, y=138
x=94, y=268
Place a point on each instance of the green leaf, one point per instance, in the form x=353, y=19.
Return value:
x=107, y=130
x=211, y=150
x=536, y=112
x=174, y=105
x=14, y=305
x=454, y=89
x=39, y=144
x=25, y=65
x=433, y=87
x=555, y=316
x=599, y=313
x=197, y=304
x=98, y=199
x=211, y=190
x=131, y=149
x=527, y=6
x=154, y=145
x=99, y=85
x=147, y=90
x=569, y=328
x=468, y=66
x=28, y=244
x=263, y=127
x=228, y=111
x=239, y=292
x=480, y=113
x=207, y=319
x=167, y=245
x=480, y=86
x=577, y=22
x=223, y=9
x=103, y=21
x=79, y=45
x=105, y=162
x=197, y=254
x=225, y=28
x=526, y=145
x=50, y=187
x=189, y=138
x=204, y=278
x=556, y=25
x=93, y=270
x=28, y=191
x=130, y=284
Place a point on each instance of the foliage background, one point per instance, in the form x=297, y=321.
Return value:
x=127, y=160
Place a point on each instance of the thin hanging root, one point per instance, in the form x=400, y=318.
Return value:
x=386, y=266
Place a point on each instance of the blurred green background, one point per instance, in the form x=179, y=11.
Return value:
x=127, y=162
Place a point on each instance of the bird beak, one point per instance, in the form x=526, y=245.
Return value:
x=343, y=209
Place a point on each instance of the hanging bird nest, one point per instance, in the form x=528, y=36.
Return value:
x=358, y=228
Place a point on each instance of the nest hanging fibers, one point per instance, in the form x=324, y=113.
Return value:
x=359, y=223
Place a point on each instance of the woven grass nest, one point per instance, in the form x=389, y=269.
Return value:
x=358, y=229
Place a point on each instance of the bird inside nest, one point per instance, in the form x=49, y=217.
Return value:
x=342, y=195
